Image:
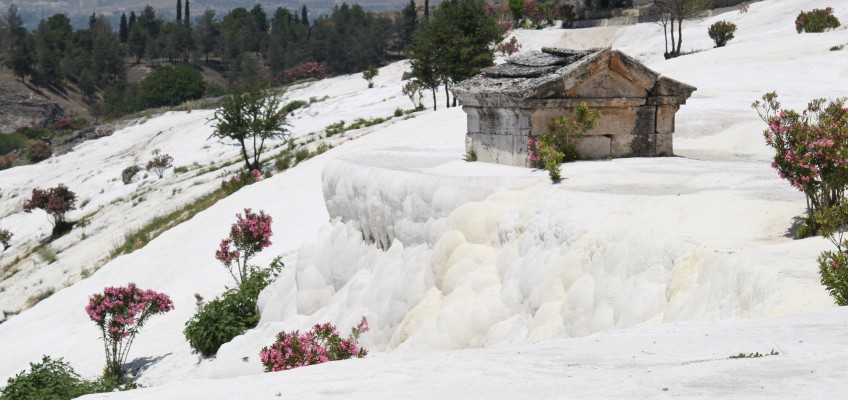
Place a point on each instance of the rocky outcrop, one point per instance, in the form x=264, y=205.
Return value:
x=21, y=107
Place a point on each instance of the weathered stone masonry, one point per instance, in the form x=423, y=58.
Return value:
x=511, y=102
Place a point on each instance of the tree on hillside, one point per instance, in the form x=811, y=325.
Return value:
x=21, y=60
x=179, y=11
x=207, y=32
x=455, y=44
x=679, y=11
x=13, y=25
x=407, y=24
x=137, y=42
x=250, y=116
x=304, y=16
x=123, y=29
x=187, y=16
x=170, y=86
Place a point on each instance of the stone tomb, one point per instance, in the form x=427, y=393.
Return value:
x=511, y=102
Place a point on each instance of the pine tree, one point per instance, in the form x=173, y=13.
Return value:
x=15, y=26
x=179, y=11
x=123, y=30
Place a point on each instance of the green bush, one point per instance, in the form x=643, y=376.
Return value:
x=37, y=133
x=816, y=21
x=294, y=105
x=220, y=320
x=301, y=155
x=49, y=379
x=10, y=142
x=335, y=129
x=721, y=32
x=170, y=86
x=214, y=90
x=833, y=265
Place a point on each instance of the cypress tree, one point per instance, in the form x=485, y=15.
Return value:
x=427, y=9
x=187, y=15
x=179, y=10
x=303, y=16
x=123, y=30
x=132, y=21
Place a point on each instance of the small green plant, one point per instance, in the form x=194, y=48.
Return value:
x=220, y=320
x=370, y=74
x=470, y=155
x=559, y=143
x=322, y=148
x=52, y=379
x=721, y=32
x=47, y=254
x=294, y=105
x=837, y=48
x=816, y=21
x=283, y=161
x=335, y=128
x=398, y=112
x=301, y=155
x=180, y=169
x=833, y=265
x=754, y=355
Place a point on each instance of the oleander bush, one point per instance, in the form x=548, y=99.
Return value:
x=559, y=143
x=320, y=344
x=49, y=379
x=240, y=180
x=818, y=20
x=56, y=202
x=810, y=149
x=159, y=163
x=120, y=313
x=39, y=150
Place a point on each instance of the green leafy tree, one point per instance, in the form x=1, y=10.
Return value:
x=250, y=116
x=370, y=74
x=517, y=9
x=207, y=32
x=137, y=42
x=169, y=86
x=87, y=85
x=21, y=60
x=423, y=60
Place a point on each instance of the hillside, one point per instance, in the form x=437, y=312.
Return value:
x=631, y=278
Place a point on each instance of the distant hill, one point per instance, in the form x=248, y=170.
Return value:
x=79, y=10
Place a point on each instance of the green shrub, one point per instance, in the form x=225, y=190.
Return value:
x=816, y=21
x=398, y=112
x=49, y=379
x=220, y=320
x=214, y=90
x=37, y=133
x=335, y=129
x=180, y=169
x=833, y=265
x=283, y=162
x=294, y=105
x=169, y=86
x=301, y=155
x=10, y=142
x=721, y=32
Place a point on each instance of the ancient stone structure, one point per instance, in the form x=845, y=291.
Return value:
x=509, y=103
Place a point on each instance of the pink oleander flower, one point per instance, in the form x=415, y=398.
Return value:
x=120, y=312
x=250, y=234
x=319, y=345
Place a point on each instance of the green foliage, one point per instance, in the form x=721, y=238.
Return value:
x=250, y=116
x=370, y=74
x=398, y=112
x=335, y=128
x=180, y=169
x=470, y=155
x=754, y=355
x=833, y=265
x=294, y=105
x=455, y=44
x=301, y=155
x=169, y=86
x=47, y=254
x=10, y=142
x=51, y=379
x=559, y=143
x=214, y=90
x=283, y=161
x=220, y=320
x=721, y=32
x=816, y=21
